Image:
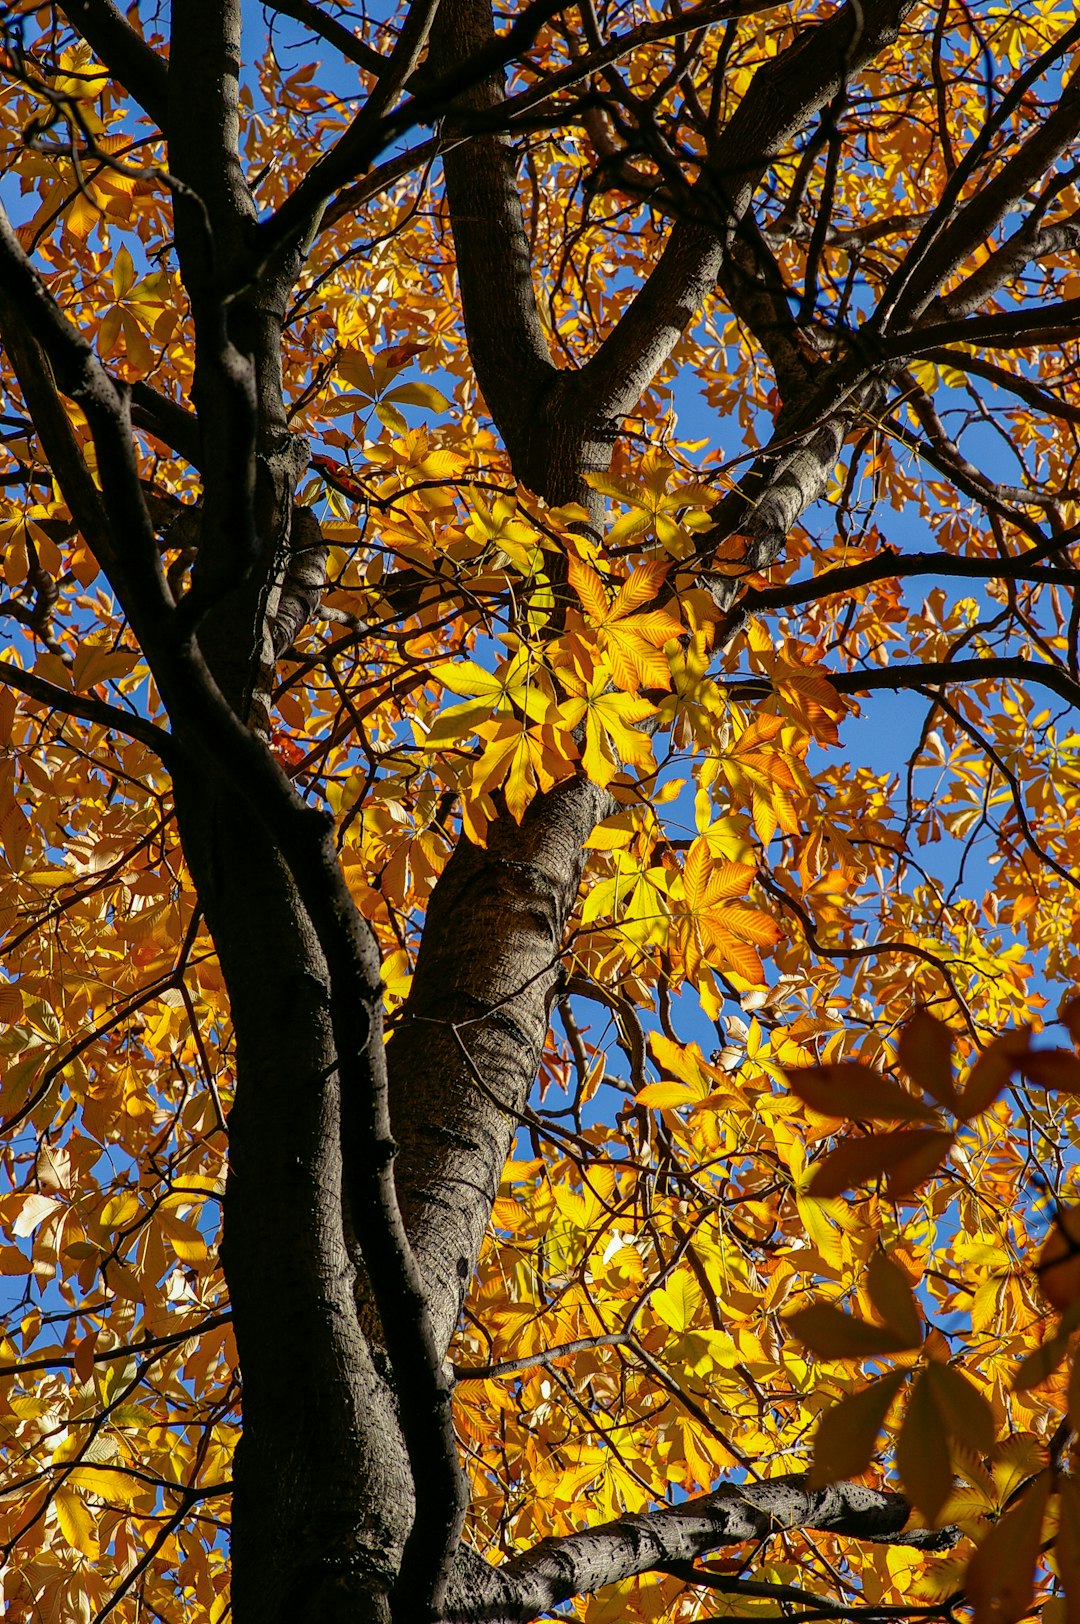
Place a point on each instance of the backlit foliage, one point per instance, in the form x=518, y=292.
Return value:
x=784, y=877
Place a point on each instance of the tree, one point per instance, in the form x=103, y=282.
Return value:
x=431, y=792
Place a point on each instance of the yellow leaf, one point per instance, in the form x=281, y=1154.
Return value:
x=677, y=1302
x=667, y=1095
x=107, y=1483
x=76, y=1522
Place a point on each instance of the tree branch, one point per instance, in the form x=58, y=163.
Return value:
x=1021, y=249
x=1053, y=322
x=143, y=74
x=990, y=203
x=211, y=734
x=467, y=1043
x=334, y=33
x=1024, y=389
x=931, y=673
x=784, y=93
x=558, y=1569
x=892, y=565
x=375, y=128
x=910, y=272
x=507, y=344
x=167, y=420
x=88, y=709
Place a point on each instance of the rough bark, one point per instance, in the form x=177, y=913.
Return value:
x=327, y=1476
x=554, y=1570
x=323, y=1494
x=466, y=1050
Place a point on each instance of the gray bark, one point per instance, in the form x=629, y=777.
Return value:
x=334, y=1256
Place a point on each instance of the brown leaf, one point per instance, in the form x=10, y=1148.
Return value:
x=855, y=1091
x=1067, y=1547
x=1037, y=1367
x=831, y=1334
x=924, y=1156
x=908, y=1156
x=922, y=1452
x=925, y=1052
x=991, y=1072
x=1069, y=1016
x=1054, y=1068
x=1000, y=1579
x=893, y=1298
x=847, y=1433
x=964, y=1411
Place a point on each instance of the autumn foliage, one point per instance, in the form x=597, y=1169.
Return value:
x=792, y=1197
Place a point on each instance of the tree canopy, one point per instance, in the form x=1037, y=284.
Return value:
x=538, y=778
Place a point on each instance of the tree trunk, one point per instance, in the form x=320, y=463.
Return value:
x=323, y=1495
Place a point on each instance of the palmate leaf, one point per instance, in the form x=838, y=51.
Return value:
x=465, y=686
x=611, y=733
x=630, y=643
x=713, y=926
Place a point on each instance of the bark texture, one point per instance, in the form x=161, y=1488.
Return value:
x=348, y=1267
x=466, y=1050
